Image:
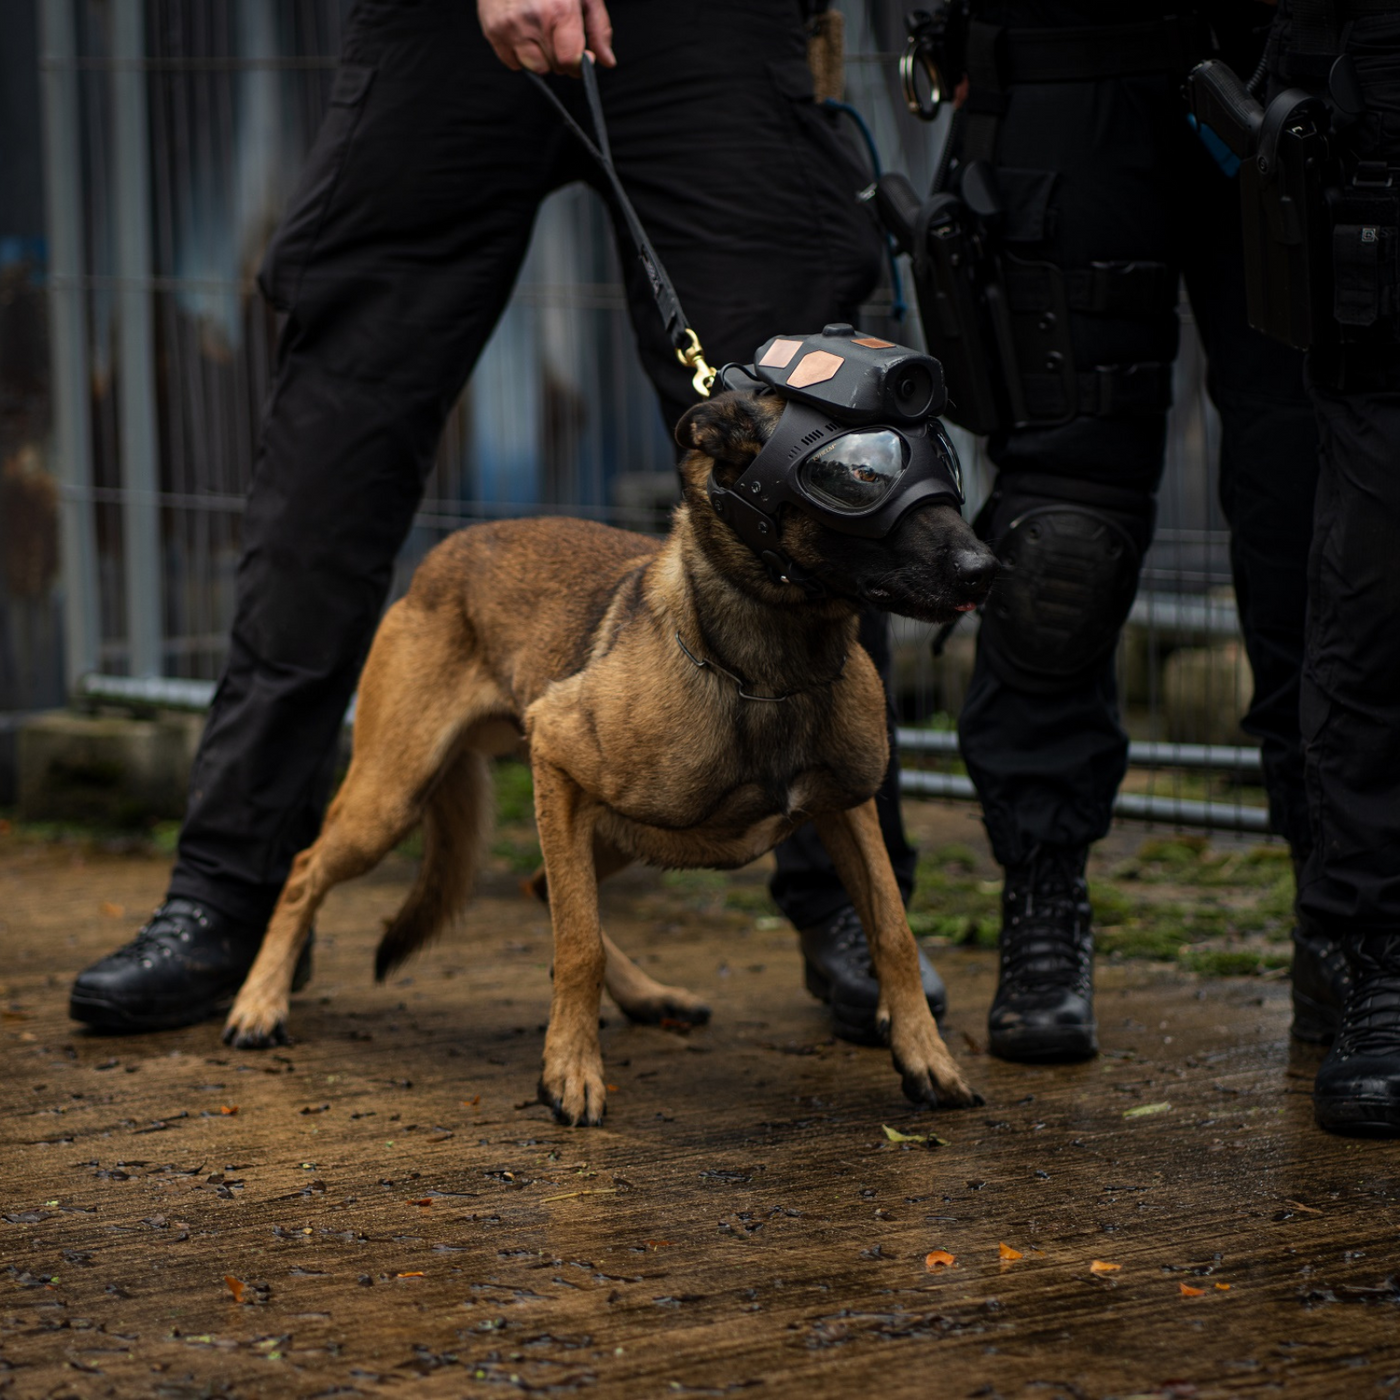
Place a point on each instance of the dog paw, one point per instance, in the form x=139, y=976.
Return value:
x=928, y=1074
x=259, y=1031
x=575, y=1094
x=672, y=1008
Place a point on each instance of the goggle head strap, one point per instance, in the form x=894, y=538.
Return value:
x=751, y=505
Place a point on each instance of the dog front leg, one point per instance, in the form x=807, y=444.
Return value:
x=928, y=1072
x=571, y=1082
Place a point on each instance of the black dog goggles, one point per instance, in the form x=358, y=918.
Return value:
x=858, y=446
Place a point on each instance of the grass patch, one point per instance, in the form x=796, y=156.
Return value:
x=146, y=836
x=520, y=852
x=1218, y=913
x=950, y=902
x=699, y=890
x=750, y=899
x=515, y=791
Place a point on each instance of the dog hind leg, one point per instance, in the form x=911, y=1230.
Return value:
x=646, y=1001
x=416, y=698
x=356, y=836
x=456, y=825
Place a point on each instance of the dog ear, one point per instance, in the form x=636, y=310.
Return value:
x=730, y=428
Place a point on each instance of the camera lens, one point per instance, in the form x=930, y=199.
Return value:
x=912, y=388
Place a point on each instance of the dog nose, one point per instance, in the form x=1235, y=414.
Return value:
x=975, y=569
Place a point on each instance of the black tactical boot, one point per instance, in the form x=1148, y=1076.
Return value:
x=182, y=967
x=1044, y=1008
x=836, y=959
x=1321, y=981
x=1357, y=1090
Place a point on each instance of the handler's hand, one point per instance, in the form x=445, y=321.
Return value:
x=547, y=36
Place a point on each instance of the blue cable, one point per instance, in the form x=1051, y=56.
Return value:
x=898, y=306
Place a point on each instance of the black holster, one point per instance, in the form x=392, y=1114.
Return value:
x=1000, y=323
x=1320, y=234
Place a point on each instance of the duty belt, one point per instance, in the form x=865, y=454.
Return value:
x=998, y=58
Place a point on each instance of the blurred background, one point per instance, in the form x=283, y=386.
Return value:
x=146, y=149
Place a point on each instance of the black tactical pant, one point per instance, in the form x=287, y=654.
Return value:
x=1108, y=170
x=393, y=264
x=1351, y=673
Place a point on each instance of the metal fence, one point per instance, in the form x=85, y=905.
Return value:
x=173, y=132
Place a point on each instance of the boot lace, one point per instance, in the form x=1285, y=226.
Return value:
x=1371, y=1022
x=849, y=940
x=170, y=928
x=1045, y=935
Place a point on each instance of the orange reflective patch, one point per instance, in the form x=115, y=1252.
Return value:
x=779, y=354
x=872, y=342
x=815, y=368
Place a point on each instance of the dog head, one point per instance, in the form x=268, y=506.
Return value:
x=930, y=566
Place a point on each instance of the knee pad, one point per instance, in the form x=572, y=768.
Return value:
x=1071, y=575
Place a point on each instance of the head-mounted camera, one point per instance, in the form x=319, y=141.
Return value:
x=858, y=445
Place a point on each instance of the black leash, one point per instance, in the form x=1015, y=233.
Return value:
x=687, y=343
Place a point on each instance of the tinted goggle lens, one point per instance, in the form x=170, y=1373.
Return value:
x=858, y=470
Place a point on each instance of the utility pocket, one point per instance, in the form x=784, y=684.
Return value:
x=294, y=241
x=1365, y=261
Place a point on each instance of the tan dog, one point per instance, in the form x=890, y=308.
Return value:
x=627, y=663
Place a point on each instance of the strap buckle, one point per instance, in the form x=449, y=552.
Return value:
x=692, y=356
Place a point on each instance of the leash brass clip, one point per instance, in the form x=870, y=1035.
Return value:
x=692, y=356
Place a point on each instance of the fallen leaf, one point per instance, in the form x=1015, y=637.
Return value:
x=228, y=1109
x=1146, y=1110
x=1102, y=1266
x=1188, y=1292
x=613, y=1089
x=1223, y=1287
x=412, y=1273
x=658, y=1244
x=939, y=1259
x=235, y=1286
x=112, y=911
x=928, y=1139
x=471, y=1102
x=426, y=1201
x=1006, y=1252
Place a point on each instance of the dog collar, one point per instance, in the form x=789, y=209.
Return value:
x=704, y=664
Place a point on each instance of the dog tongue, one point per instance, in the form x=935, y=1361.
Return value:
x=966, y=607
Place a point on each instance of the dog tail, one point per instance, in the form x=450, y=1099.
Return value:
x=456, y=824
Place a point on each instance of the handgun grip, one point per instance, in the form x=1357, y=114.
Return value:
x=1220, y=101
x=898, y=208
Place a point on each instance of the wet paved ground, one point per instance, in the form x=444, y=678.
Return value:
x=399, y=1216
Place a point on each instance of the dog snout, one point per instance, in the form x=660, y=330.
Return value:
x=974, y=570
